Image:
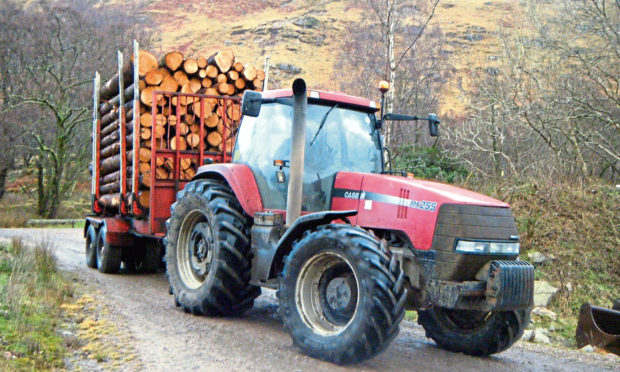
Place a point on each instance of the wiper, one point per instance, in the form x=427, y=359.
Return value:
x=322, y=123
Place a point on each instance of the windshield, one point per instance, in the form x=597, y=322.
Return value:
x=346, y=142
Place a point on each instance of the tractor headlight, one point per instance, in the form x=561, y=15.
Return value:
x=482, y=247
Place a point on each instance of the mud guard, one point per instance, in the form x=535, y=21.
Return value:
x=295, y=231
x=240, y=179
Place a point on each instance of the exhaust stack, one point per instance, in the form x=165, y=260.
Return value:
x=298, y=145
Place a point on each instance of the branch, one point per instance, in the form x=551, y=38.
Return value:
x=418, y=36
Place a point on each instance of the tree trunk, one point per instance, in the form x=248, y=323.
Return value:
x=4, y=171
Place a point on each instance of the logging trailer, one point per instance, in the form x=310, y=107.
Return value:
x=303, y=204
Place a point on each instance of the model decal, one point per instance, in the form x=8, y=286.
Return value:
x=423, y=205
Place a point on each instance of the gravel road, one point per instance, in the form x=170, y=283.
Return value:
x=167, y=339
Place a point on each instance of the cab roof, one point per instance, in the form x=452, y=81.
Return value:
x=335, y=97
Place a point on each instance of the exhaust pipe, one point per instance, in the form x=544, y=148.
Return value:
x=298, y=146
x=600, y=327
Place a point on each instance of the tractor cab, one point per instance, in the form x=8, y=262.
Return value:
x=342, y=134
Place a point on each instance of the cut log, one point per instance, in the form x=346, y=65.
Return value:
x=163, y=71
x=202, y=73
x=182, y=143
x=222, y=59
x=214, y=139
x=115, y=102
x=187, y=174
x=113, y=163
x=233, y=75
x=145, y=133
x=172, y=120
x=190, y=66
x=110, y=200
x=153, y=77
x=144, y=198
x=185, y=163
x=160, y=131
x=169, y=84
x=197, y=110
x=193, y=140
x=161, y=173
x=173, y=60
x=258, y=84
x=195, y=84
x=238, y=66
x=110, y=88
x=144, y=154
x=240, y=84
x=201, y=61
x=144, y=167
x=146, y=120
x=231, y=89
x=249, y=72
x=110, y=188
x=194, y=128
x=212, y=71
x=145, y=179
x=181, y=77
x=223, y=88
x=207, y=82
x=221, y=78
x=146, y=95
x=234, y=111
x=109, y=139
x=211, y=121
x=110, y=150
x=147, y=63
x=183, y=129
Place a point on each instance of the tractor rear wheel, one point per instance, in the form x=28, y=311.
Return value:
x=208, y=251
x=341, y=296
x=108, y=256
x=474, y=332
x=91, y=247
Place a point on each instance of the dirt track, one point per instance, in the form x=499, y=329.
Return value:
x=167, y=339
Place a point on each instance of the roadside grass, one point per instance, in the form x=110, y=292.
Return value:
x=31, y=294
x=579, y=226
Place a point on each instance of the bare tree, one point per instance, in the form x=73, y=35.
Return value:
x=58, y=46
x=397, y=43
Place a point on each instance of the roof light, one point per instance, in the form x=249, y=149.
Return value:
x=384, y=86
x=314, y=94
x=373, y=104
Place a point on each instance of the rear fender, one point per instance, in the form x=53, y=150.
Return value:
x=240, y=179
x=307, y=222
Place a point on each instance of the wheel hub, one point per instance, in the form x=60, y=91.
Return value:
x=327, y=293
x=195, y=249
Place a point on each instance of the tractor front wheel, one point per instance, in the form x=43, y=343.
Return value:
x=341, y=296
x=474, y=332
x=208, y=251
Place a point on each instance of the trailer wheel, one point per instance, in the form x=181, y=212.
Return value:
x=91, y=247
x=208, y=251
x=108, y=256
x=341, y=297
x=474, y=332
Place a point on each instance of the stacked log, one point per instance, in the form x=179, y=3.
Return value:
x=168, y=121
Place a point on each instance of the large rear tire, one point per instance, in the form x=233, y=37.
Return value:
x=341, y=296
x=108, y=256
x=91, y=247
x=474, y=332
x=208, y=251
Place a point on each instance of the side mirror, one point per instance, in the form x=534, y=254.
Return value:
x=433, y=125
x=251, y=102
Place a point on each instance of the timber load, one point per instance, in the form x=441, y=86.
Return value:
x=133, y=120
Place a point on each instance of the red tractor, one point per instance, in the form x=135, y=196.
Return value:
x=306, y=207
